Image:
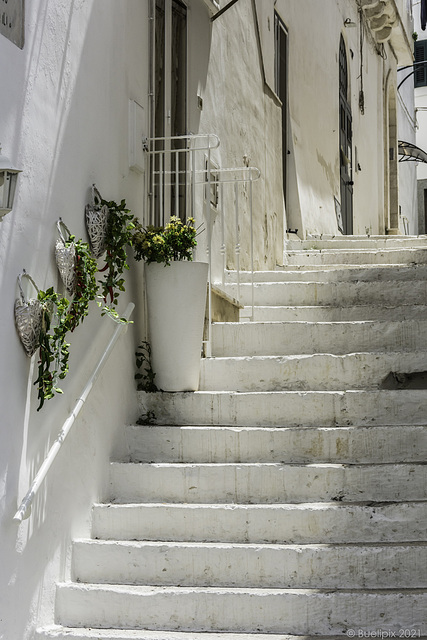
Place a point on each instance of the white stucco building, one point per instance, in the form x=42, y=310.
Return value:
x=306, y=91
x=416, y=76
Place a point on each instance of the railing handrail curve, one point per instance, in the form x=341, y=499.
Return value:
x=24, y=509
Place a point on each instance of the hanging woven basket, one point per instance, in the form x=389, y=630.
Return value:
x=65, y=255
x=28, y=317
x=97, y=223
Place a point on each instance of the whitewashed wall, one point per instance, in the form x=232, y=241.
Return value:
x=421, y=134
x=314, y=43
x=64, y=122
x=408, y=213
x=225, y=70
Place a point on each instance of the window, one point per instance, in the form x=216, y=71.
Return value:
x=420, y=74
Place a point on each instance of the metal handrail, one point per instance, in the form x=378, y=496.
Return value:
x=148, y=142
x=24, y=510
x=169, y=157
x=168, y=174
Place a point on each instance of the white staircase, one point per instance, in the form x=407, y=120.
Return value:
x=288, y=497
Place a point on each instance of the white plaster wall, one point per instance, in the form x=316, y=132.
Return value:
x=231, y=70
x=421, y=123
x=313, y=76
x=225, y=70
x=64, y=121
x=408, y=212
x=420, y=103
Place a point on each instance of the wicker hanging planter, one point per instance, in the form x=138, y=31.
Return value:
x=97, y=223
x=28, y=317
x=66, y=257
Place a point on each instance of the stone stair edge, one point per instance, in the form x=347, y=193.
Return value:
x=286, y=506
x=319, y=354
x=263, y=464
x=297, y=392
x=76, y=633
x=248, y=545
x=268, y=323
x=149, y=589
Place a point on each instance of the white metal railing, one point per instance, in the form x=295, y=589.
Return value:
x=24, y=510
x=172, y=169
x=175, y=176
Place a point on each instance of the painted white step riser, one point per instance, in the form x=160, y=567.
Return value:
x=282, y=524
x=362, y=273
x=287, y=408
x=317, y=372
x=372, y=242
x=333, y=314
x=67, y=633
x=272, y=611
x=282, y=338
x=334, y=293
x=295, y=445
x=343, y=257
x=265, y=483
x=272, y=566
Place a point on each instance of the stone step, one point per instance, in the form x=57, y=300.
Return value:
x=333, y=273
x=307, y=523
x=250, y=565
x=328, y=313
x=241, y=610
x=388, y=293
x=321, y=257
x=302, y=338
x=373, y=242
x=266, y=483
x=286, y=408
x=67, y=633
x=309, y=372
x=268, y=444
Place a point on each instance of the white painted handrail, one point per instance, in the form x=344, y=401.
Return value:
x=24, y=510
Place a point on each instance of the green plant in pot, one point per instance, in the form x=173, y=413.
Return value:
x=176, y=297
x=175, y=241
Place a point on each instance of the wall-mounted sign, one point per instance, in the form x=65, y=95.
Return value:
x=12, y=17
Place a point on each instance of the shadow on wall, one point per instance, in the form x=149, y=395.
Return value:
x=55, y=152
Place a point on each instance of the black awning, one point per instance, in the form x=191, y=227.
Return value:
x=409, y=151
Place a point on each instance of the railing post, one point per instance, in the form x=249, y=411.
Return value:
x=252, y=244
x=223, y=247
x=176, y=183
x=237, y=249
x=209, y=228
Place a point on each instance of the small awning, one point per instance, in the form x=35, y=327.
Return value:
x=409, y=151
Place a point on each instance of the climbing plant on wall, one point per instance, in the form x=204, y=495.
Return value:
x=60, y=316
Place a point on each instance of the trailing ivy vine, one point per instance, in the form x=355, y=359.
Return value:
x=60, y=316
x=121, y=224
x=54, y=349
x=86, y=286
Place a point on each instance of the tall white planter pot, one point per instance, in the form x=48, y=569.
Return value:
x=176, y=301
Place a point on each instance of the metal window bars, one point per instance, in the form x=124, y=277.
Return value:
x=175, y=177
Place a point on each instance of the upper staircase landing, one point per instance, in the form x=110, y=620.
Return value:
x=356, y=250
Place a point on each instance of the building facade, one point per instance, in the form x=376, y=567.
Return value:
x=307, y=96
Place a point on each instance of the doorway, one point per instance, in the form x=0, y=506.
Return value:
x=170, y=107
x=281, y=89
x=345, y=142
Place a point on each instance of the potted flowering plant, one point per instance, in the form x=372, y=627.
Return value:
x=176, y=299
